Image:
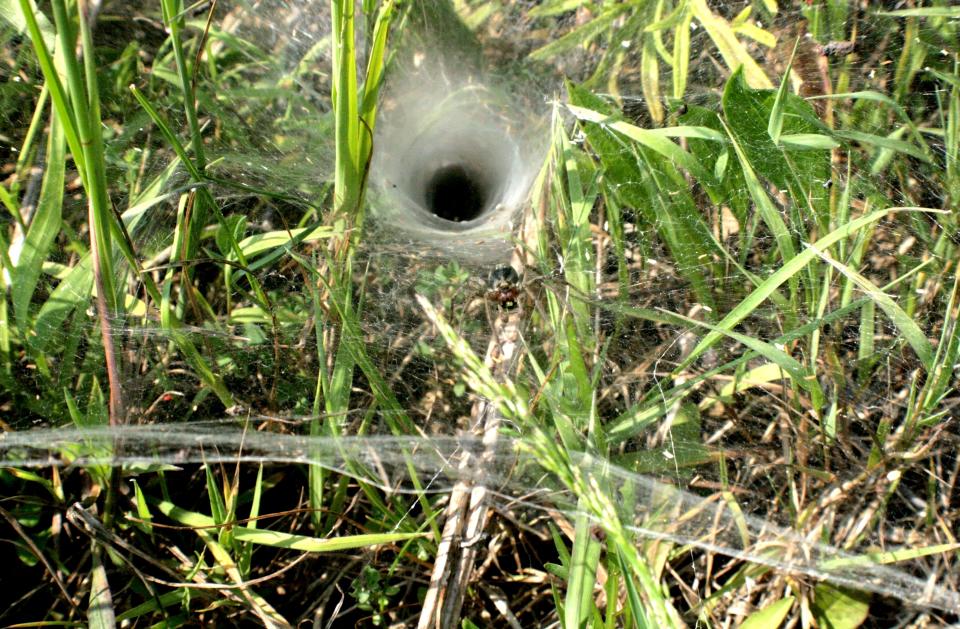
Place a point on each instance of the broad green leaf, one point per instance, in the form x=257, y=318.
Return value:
x=768, y=211
x=70, y=294
x=771, y=616
x=799, y=170
x=645, y=176
x=727, y=185
x=839, y=608
x=684, y=452
x=11, y=13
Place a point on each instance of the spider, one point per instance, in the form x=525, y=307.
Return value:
x=503, y=287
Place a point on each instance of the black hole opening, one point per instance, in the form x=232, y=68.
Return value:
x=456, y=194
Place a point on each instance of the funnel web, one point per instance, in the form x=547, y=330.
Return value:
x=736, y=321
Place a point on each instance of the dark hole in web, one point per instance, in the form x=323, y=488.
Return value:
x=456, y=193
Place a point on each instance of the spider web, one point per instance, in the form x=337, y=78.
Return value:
x=270, y=129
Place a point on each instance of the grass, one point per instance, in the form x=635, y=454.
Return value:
x=736, y=288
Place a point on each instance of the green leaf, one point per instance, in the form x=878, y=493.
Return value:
x=581, y=574
x=169, y=599
x=771, y=616
x=839, y=608
x=681, y=55
x=43, y=228
x=555, y=7
x=734, y=54
x=768, y=211
x=676, y=17
x=645, y=176
x=258, y=243
x=775, y=121
x=784, y=273
x=10, y=12
x=71, y=293
x=904, y=322
x=862, y=95
x=579, y=35
x=888, y=556
x=280, y=539
x=650, y=78
x=652, y=139
x=792, y=168
x=808, y=141
x=100, y=614
x=887, y=142
x=797, y=372
x=924, y=12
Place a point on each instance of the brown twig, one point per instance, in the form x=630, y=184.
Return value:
x=468, y=511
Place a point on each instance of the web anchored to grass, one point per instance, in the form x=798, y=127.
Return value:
x=517, y=481
x=727, y=391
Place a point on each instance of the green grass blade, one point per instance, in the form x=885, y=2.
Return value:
x=768, y=212
x=907, y=326
x=100, y=614
x=652, y=139
x=650, y=78
x=783, y=274
x=581, y=575
x=924, y=12
x=797, y=372
x=681, y=55
x=52, y=78
x=71, y=294
x=347, y=181
x=578, y=36
x=279, y=539
x=43, y=228
x=775, y=123
x=373, y=80
x=734, y=54
x=889, y=143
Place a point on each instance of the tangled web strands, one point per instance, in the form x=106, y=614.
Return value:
x=650, y=509
x=490, y=129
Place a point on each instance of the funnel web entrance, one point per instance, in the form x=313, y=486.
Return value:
x=456, y=193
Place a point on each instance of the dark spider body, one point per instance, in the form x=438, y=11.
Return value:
x=838, y=48
x=503, y=287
